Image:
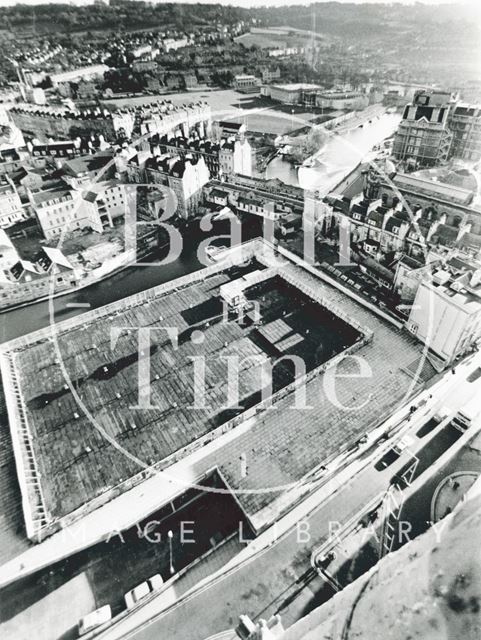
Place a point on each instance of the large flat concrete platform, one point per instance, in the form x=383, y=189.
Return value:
x=79, y=466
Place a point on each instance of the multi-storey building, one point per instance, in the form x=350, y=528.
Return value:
x=83, y=73
x=8, y=253
x=58, y=151
x=235, y=156
x=11, y=209
x=465, y=124
x=227, y=128
x=246, y=83
x=446, y=314
x=270, y=75
x=226, y=157
x=66, y=209
x=48, y=122
x=347, y=100
x=164, y=118
x=294, y=93
x=441, y=215
x=184, y=177
x=423, y=135
x=435, y=128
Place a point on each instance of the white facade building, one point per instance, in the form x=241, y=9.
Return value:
x=87, y=73
x=446, y=314
x=342, y=100
x=11, y=210
x=185, y=177
x=235, y=156
x=246, y=83
x=64, y=210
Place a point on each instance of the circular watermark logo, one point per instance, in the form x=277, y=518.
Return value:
x=111, y=323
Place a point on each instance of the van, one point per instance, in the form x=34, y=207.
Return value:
x=142, y=590
x=466, y=416
x=94, y=620
x=404, y=443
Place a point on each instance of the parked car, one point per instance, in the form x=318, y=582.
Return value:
x=404, y=443
x=142, y=590
x=94, y=620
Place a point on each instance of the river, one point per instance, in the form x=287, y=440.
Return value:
x=340, y=155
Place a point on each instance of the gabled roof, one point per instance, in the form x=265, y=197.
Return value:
x=445, y=234
x=60, y=191
x=472, y=240
x=24, y=266
x=433, y=188
x=459, y=264
x=57, y=257
x=377, y=216
x=412, y=263
x=87, y=163
x=235, y=126
x=218, y=193
x=374, y=266
x=393, y=222
x=420, y=228
x=403, y=216
x=360, y=209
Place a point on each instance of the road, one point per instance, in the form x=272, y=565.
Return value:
x=274, y=579
x=103, y=573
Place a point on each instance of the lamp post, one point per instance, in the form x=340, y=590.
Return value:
x=170, y=535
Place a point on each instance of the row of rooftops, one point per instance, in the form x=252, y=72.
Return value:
x=171, y=165
x=202, y=145
x=155, y=108
x=418, y=224
x=250, y=198
x=438, y=190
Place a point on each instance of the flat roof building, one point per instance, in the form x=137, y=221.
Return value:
x=446, y=314
x=82, y=436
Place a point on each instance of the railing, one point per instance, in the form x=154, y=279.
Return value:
x=33, y=504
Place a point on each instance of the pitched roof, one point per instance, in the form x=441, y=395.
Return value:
x=393, y=222
x=378, y=269
x=360, y=209
x=218, y=193
x=57, y=257
x=412, y=263
x=420, y=228
x=446, y=234
x=472, y=240
x=61, y=191
x=377, y=216
x=230, y=125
